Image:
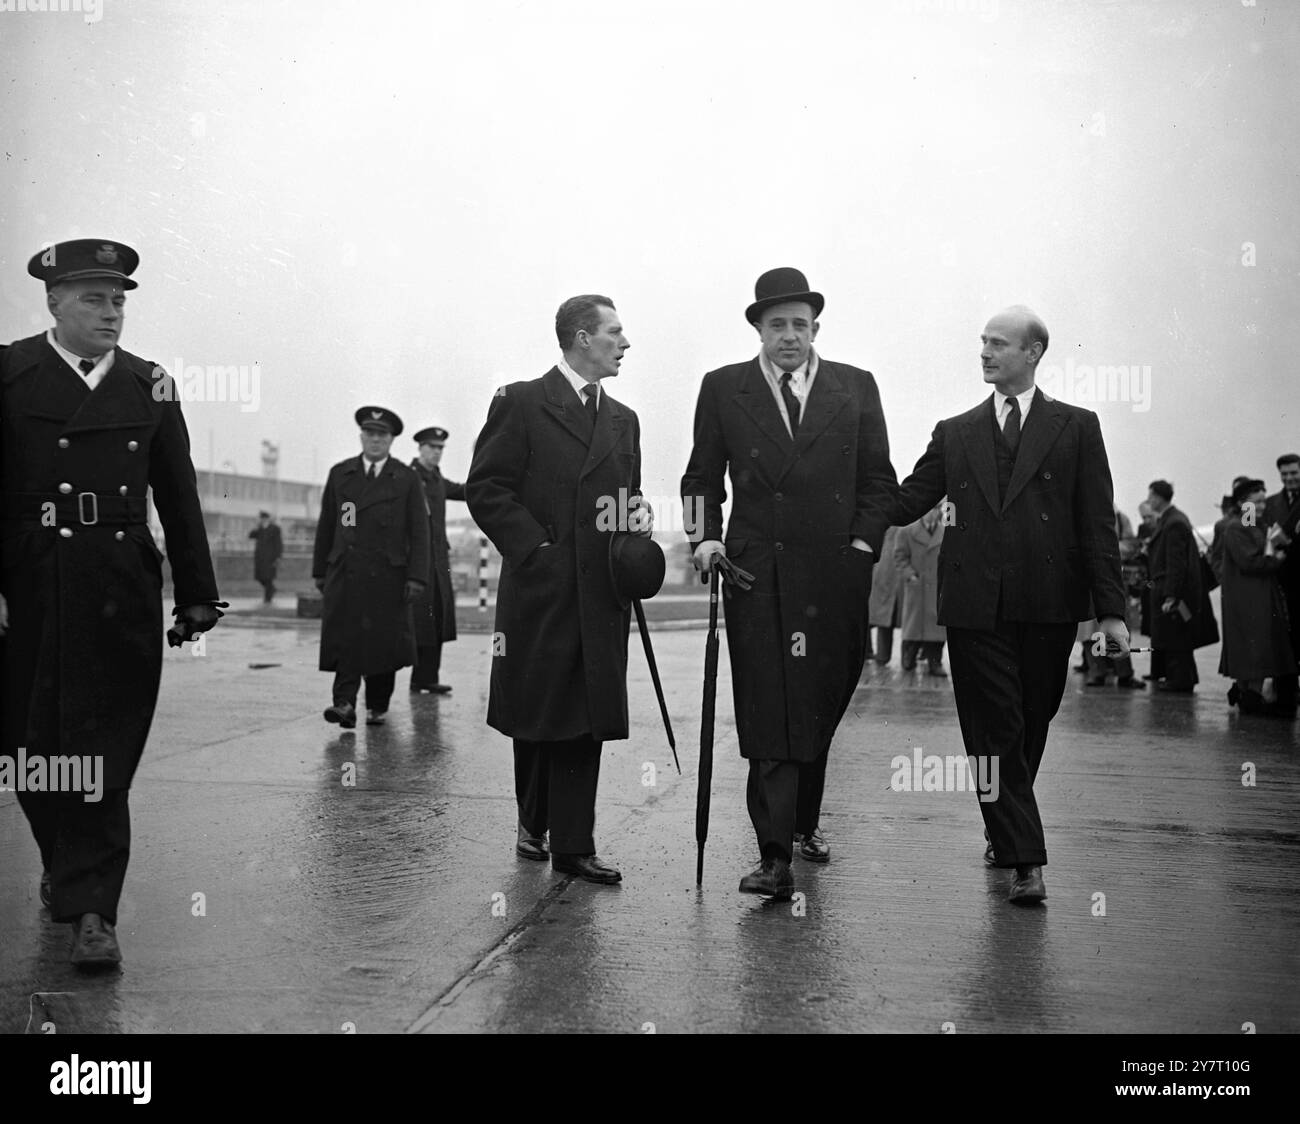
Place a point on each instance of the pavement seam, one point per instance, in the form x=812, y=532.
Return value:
x=452, y=993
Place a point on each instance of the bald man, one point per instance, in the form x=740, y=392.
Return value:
x=1030, y=539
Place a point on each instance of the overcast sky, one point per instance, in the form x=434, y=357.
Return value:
x=386, y=202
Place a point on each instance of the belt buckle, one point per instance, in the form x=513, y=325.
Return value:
x=94, y=508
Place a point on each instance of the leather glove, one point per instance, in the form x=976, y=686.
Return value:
x=191, y=620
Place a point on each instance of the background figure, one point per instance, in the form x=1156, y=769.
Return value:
x=1181, y=617
x=1284, y=510
x=268, y=546
x=1100, y=666
x=1227, y=509
x=916, y=555
x=435, y=611
x=886, y=603
x=1256, y=634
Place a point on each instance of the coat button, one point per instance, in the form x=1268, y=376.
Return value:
x=119, y=535
x=583, y=567
x=582, y=522
x=132, y=446
x=1047, y=475
x=1043, y=517
x=963, y=484
x=63, y=442
x=778, y=496
x=779, y=546
x=122, y=490
x=844, y=449
x=66, y=532
x=753, y=452
x=962, y=526
x=65, y=488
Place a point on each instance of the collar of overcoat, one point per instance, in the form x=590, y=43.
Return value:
x=827, y=398
x=355, y=488
x=121, y=399
x=1043, y=424
x=563, y=406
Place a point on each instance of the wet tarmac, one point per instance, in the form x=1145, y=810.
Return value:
x=396, y=903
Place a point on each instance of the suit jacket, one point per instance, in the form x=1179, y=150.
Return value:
x=1277, y=509
x=372, y=538
x=1044, y=548
x=78, y=563
x=540, y=472
x=797, y=639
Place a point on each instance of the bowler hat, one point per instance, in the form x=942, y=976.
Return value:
x=636, y=567
x=777, y=286
x=377, y=417
x=431, y=435
x=84, y=258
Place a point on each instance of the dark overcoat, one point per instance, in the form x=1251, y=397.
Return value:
x=1175, y=571
x=1042, y=549
x=372, y=538
x=435, y=611
x=267, y=547
x=797, y=640
x=1256, y=638
x=78, y=564
x=559, y=664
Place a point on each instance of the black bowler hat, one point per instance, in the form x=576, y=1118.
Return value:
x=376, y=417
x=82, y=259
x=777, y=286
x=636, y=567
x=433, y=435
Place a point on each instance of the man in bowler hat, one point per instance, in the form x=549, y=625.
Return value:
x=805, y=443
x=435, y=611
x=268, y=545
x=559, y=460
x=86, y=431
x=371, y=562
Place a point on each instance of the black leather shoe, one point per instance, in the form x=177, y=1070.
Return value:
x=530, y=846
x=588, y=867
x=345, y=714
x=1028, y=888
x=441, y=689
x=95, y=943
x=813, y=847
x=772, y=878
x=45, y=888
x=1130, y=683
x=937, y=670
x=376, y=717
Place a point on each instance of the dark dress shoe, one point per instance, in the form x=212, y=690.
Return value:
x=772, y=878
x=441, y=689
x=1028, y=888
x=1130, y=683
x=530, y=846
x=345, y=714
x=95, y=943
x=1234, y=695
x=376, y=717
x=588, y=867
x=813, y=847
x=45, y=888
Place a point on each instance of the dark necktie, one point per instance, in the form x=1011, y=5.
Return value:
x=791, y=403
x=591, y=390
x=372, y=470
x=1011, y=429
x=86, y=365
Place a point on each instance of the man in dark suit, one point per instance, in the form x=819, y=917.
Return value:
x=371, y=562
x=435, y=612
x=556, y=470
x=1283, y=508
x=268, y=545
x=1031, y=536
x=805, y=444
x=86, y=430
x=1182, y=618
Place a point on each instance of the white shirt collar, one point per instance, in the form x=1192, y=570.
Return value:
x=1025, y=397
x=801, y=378
x=578, y=382
x=102, y=366
x=365, y=465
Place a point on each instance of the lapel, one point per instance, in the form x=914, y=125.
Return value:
x=118, y=401
x=977, y=438
x=364, y=492
x=57, y=393
x=827, y=398
x=1046, y=419
x=611, y=422
x=563, y=405
x=754, y=398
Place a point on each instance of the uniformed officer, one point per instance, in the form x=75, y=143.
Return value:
x=86, y=429
x=435, y=612
x=372, y=563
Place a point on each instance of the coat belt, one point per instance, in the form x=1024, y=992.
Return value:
x=84, y=509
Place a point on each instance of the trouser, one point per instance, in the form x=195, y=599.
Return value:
x=1008, y=683
x=929, y=650
x=1287, y=687
x=84, y=847
x=268, y=590
x=884, y=644
x=379, y=688
x=784, y=797
x=1179, y=669
x=555, y=788
x=424, y=674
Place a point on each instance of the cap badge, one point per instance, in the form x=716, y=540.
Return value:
x=106, y=254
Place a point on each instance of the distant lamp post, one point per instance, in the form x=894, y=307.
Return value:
x=271, y=470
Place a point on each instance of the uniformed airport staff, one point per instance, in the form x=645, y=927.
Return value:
x=86, y=429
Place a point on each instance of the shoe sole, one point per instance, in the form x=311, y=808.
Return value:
x=338, y=720
x=815, y=858
x=376, y=721
x=587, y=877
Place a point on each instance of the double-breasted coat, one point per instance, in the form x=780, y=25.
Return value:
x=797, y=640
x=435, y=611
x=372, y=538
x=539, y=473
x=78, y=565
x=1256, y=629
x=1175, y=571
x=916, y=552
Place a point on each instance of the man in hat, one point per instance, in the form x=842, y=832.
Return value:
x=1283, y=510
x=86, y=430
x=812, y=491
x=435, y=611
x=556, y=474
x=371, y=562
x=267, y=548
x=1182, y=619
x=1031, y=538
